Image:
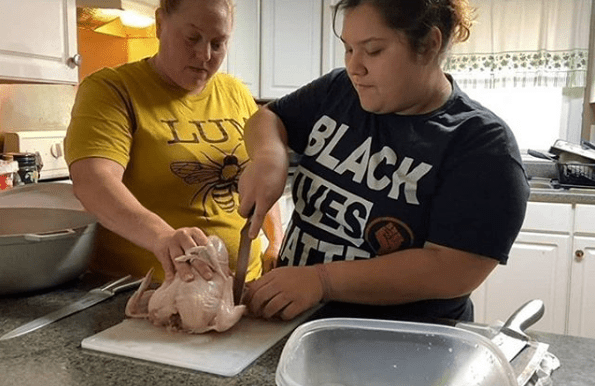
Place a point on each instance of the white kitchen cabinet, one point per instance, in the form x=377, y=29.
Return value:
x=552, y=259
x=333, y=51
x=281, y=45
x=243, y=56
x=38, y=41
x=581, y=315
x=538, y=267
x=291, y=44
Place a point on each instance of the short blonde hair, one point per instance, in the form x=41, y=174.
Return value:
x=171, y=6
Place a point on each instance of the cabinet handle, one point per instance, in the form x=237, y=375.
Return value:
x=75, y=61
x=579, y=255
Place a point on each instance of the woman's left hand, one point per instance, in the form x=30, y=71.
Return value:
x=284, y=292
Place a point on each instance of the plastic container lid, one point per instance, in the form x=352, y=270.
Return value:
x=24, y=159
x=348, y=351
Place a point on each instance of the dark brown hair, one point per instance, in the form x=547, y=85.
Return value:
x=417, y=17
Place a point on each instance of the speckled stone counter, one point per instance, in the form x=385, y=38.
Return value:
x=541, y=174
x=565, y=196
x=52, y=355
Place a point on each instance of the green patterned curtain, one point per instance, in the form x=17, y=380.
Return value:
x=521, y=43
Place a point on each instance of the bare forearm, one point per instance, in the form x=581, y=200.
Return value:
x=263, y=180
x=117, y=209
x=407, y=276
x=272, y=226
x=265, y=135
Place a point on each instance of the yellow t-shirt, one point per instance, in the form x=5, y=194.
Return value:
x=182, y=154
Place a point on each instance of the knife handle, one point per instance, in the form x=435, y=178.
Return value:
x=528, y=314
x=588, y=145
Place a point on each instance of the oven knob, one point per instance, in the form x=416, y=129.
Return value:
x=56, y=150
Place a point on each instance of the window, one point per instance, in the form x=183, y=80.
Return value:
x=527, y=61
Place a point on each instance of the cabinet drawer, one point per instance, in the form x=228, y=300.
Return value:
x=550, y=217
x=584, y=219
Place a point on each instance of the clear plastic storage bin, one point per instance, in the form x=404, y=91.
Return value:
x=354, y=352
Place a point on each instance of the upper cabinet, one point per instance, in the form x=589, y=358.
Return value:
x=281, y=45
x=333, y=52
x=243, y=56
x=38, y=41
x=291, y=48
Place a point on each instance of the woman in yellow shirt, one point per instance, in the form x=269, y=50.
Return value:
x=155, y=149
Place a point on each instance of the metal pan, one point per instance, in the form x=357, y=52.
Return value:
x=42, y=248
x=570, y=152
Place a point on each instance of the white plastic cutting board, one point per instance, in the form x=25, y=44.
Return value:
x=222, y=353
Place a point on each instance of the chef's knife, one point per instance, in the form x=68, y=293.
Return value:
x=242, y=263
x=94, y=296
x=528, y=361
x=511, y=338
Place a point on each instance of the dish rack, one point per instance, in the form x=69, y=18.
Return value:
x=575, y=174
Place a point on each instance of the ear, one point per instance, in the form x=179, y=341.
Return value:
x=158, y=18
x=433, y=46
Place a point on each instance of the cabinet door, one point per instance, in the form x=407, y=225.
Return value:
x=243, y=56
x=290, y=46
x=538, y=268
x=38, y=40
x=581, y=314
x=333, y=51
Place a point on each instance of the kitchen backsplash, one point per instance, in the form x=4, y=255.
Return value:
x=35, y=107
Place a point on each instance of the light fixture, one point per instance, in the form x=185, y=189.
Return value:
x=132, y=13
x=129, y=18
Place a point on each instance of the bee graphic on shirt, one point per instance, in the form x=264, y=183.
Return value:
x=220, y=180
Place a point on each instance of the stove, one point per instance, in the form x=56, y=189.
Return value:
x=49, y=144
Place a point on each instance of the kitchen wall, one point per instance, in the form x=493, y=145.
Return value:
x=47, y=107
x=100, y=50
x=35, y=107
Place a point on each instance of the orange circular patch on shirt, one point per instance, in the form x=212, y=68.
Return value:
x=387, y=234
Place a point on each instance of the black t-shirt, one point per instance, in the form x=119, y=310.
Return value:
x=370, y=184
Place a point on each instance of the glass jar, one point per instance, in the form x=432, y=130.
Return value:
x=8, y=170
x=29, y=167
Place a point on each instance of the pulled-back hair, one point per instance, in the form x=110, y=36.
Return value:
x=416, y=18
x=171, y=6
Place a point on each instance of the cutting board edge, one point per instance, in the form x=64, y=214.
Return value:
x=88, y=344
x=91, y=343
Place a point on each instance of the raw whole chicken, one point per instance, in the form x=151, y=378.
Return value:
x=197, y=306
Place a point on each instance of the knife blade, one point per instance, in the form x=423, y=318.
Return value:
x=93, y=297
x=527, y=362
x=242, y=263
x=511, y=338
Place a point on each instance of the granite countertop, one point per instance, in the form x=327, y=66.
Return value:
x=52, y=355
x=564, y=196
x=541, y=174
